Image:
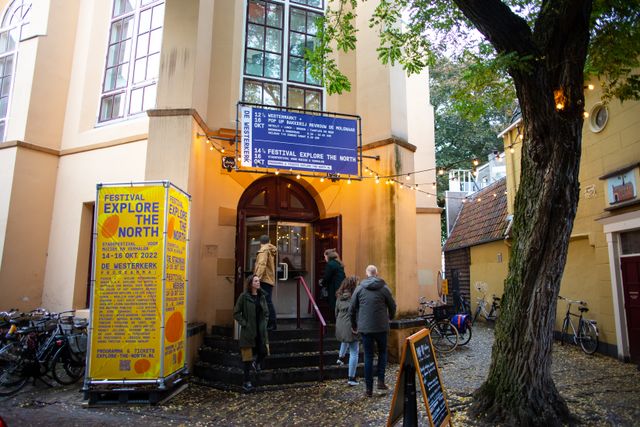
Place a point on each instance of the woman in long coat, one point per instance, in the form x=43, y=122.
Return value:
x=333, y=275
x=252, y=314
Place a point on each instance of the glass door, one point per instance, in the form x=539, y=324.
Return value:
x=254, y=228
x=294, y=243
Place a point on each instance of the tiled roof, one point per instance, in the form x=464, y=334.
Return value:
x=482, y=219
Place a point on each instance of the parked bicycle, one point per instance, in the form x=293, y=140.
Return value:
x=586, y=334
x=49, y=346
x=444, y=335
x=490, y=314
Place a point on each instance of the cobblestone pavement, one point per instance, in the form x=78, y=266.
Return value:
x=600, y=390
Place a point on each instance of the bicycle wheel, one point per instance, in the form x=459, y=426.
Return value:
x=67, y=367
x=588, y=337
x=476, y=314
x=444, y=336
x=565, y=328
x=12, y=369
x=465, y=337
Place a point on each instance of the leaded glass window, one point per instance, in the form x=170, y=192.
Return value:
x=277, y=35
x=133, y=58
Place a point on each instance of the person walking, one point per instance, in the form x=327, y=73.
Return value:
x=372, y=306
x=251, y=312
x=265, y=269
x=344, y=334
x=333, y=275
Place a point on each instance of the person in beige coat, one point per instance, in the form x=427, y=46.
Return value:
x=265, y=269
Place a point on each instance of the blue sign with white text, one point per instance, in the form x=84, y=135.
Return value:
x=287, y=140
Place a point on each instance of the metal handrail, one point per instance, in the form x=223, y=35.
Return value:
x=323, y=324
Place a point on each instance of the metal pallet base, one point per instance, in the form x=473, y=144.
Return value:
x=131, y=396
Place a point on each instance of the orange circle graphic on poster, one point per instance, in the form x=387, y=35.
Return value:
x=170, y=227
x=174, y=326
x=141, y=366
x=110, y=226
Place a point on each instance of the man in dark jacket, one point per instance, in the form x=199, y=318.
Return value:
x=372, y=306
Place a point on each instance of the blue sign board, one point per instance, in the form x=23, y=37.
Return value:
x=287, y=140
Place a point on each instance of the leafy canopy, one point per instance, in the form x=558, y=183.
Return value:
x=415, y=33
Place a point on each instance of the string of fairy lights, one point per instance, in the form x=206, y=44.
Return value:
x=401, y=180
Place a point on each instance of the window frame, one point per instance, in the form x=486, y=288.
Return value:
x=265, y=26
x=8, y=25
x=305, y=90
x=131, y=59
x=284, y=81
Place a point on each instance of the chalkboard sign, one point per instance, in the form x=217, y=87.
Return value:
x=422, y=362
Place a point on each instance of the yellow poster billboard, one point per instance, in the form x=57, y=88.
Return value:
x=138, y=305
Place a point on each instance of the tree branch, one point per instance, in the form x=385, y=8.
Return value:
x=505, y=30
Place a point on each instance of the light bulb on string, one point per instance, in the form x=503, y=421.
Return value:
x=441, y=172
x=277, y=172
x=475, y=162
x=433, y=185
x=408, y=177
x=349, y=181
x=377, y=179
x=322, y=179
x=298, y=176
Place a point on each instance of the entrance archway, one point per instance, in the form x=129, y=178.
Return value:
x=285, y=211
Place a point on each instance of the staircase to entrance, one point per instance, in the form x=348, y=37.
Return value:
x=294, y=358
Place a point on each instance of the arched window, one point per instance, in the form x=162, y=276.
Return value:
x=14, y=23
x=133, y=59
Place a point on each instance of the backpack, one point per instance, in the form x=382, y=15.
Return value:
x=460, y=322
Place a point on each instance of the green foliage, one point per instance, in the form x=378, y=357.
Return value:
x=614, y=54
x=415, y=33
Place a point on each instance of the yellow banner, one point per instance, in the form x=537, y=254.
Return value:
x=175, y=286
x=126, y=311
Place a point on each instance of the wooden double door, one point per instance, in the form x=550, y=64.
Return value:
x=284, y=210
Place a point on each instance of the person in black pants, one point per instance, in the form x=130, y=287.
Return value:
x=372, y=306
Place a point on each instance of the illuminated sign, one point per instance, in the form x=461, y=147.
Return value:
x=288, y=140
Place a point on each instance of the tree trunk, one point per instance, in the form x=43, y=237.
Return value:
x=519, y=389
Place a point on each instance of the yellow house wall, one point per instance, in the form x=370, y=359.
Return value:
x=7, y=165
x=588, y=270
x=77, y=176
x=489, y=264
x=27, y=229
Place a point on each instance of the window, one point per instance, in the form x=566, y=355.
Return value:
x=133, y=59
x=598, y=118
x=277, y=35
x=14, y=23
x=630, y=242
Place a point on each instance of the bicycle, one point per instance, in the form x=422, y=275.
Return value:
x=444, y=335
x=587, y=332
x=51, y=343
x=494, y=310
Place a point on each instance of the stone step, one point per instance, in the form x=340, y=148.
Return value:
x=274, y=361
x=231, y=377
x=292, y=345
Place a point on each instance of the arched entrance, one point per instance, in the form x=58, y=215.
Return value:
x=285, y=211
